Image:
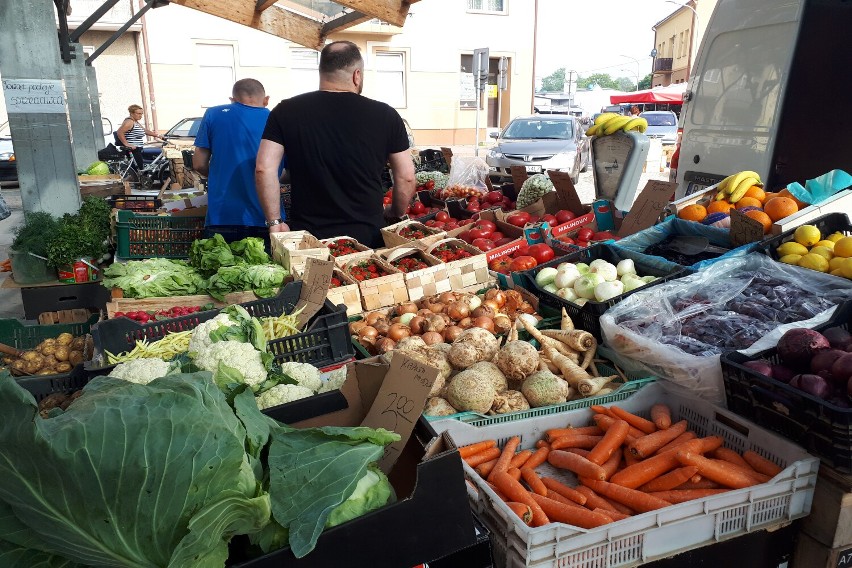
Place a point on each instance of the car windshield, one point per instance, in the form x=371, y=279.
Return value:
x=659, y=119
x=187, y=127
x=536, y=128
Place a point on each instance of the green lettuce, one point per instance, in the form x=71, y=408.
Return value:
x=208, y=255
x=251, y=250
x=262, y=279
x=372, y=492
x=154, y=277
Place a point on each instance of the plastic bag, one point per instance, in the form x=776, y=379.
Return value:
x=819, y=189
x=678, y=329
x=467, y=177
x=5, y=212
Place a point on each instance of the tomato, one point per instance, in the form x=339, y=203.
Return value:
x=602, y=236
x=550, y=219
x=118, y=315
x=451, y=225
x=585, y=234
x=494, y=197
x=541, y=253
x=483, y=244
x=518, y=219
x=484, y=225
x=467, y=222
x=500, y=265
x=442, y=216
x=473, y=206
x=479, y=233
x=503, y=241
x=567, y=240
x=563, y=216
x=417, y=208
x=387, y=201
x=583, y=244
x=431, y=223
x=465, y=236
x=496, y=236
x=534, y=219
x=522, y=250
x=522, y=263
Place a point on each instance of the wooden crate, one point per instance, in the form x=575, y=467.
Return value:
x=467, y=272
x=830, y=521
x=119, y=304
x=384, y=291
x=78, y=315
x=393, y=239
x=342, y=260
x=811, y=553
x=425, y=282
x=293, y=249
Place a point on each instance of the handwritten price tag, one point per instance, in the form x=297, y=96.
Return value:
x=315, y=285
x=744, y=229
x=648, y=207
x=399, y=402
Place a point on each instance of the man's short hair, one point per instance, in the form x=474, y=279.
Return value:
x=339, y=56
x=248, y=88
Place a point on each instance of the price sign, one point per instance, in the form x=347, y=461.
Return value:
x=315, y=285
x=744, y=229
x=648, y=207
x=519, y=176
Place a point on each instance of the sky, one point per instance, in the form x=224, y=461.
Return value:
x=590, y=36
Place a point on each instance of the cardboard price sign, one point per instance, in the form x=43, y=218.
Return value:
x=519, y=176
x=315, y=285
x=399, y=403
x=568, y=198
x=648, y=207
x=744, y=229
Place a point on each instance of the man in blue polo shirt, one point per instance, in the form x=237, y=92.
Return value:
x=225, y=151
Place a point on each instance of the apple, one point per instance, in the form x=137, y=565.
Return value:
x=585, y=234
x=563, y=216
x=483, y=244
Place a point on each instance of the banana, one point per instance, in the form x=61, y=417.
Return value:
x=593, y=130
x=723, y=185
x=604, y=117
x=614, y=125
x=742, y=187
x=735, y=182
x=721, y=195
x=637, y=123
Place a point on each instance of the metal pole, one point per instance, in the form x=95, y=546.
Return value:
x=478, y=98
x=637, y=69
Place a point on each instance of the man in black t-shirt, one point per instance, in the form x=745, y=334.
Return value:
x=337, y=144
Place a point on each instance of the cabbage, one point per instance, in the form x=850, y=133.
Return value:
x=98, y=169
x=373, y=491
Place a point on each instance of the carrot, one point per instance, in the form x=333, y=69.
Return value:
x=758, y=477
x=696, y=478
x=614, y=515
x=685, y=437
x=762, y=465
x=575, y=516
x=610, y=466
x=579, y=452
x=557, y=497
x=729, y=455
x=680, y=495
x=554, y=433
x=519, y=459
x=647, y=445
x=661, y=416
x=482, y=457
x=600, y=410
x=604, y=422
x=523, y=511
x=644, y=471
x=703, y=484
x=516, y=492
x=505, y=457
x=484, y=469
x=533, y=480
x=636, y=421
x=497, y=491
x=611, y=441
x=629, y=459
x=515, y=473
x=567, y=492
x=641, y=502
x=578, y=464
x=623, y=509
x=595, y=501
x=538, y=458
x=670, y=480
x=470, y=449
x=723, y=473
x=542, y=444
x=580, y=441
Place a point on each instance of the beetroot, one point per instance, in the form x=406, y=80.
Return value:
x=838, y=338
x=841, y=369
x=813, y=385
x=761, y=366
x=798, y=346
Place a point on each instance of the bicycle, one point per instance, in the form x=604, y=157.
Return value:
x=155, y=172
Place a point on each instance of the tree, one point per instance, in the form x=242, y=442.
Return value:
x=645, y=83
x=555, y=82
x=625, y=84
x=603, y=80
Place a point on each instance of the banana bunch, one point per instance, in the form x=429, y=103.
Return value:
x=610, y=123
x=734, y=186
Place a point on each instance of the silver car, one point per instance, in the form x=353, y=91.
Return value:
x=540, y=143
x=661, y=124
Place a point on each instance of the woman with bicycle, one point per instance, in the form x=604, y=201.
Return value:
x=131, y=134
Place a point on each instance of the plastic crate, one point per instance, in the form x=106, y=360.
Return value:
x=325, y=343
x=140, y=236
x=823, y=428
x=656, y=534
x=587, y=317
x=134, y=202
x=827, y=224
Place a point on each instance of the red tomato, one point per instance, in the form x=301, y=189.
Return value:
x=522, y=263
x=518, y=219
x=473, y=206
x=439, y=225
x=496, y=236
x=417, y=208
x=467, y=222
x=503, y=241
x=568, y=240
x=479, y=233
x=431, y=223
x=450, y=225
x=541, y=253
x=563, y=216
x=534, y=219
x=583, y=244
x=118, y=315
x=484, y=225
x=501, y=264
x=483, y=244
x=389, y=193
x=465, y=236
x=602, y=236
x=442, y=216
x=494, y=197
x=585, y=234
x=387, y=201
x=550, y=219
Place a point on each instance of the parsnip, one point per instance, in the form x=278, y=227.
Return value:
x=567, y=324
x=571, y=372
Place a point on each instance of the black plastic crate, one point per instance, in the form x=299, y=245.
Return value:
x=587, y=317
x=325, y=343
x=134, y=202
x=43, y=386
x=824, y=429
x=827, y=224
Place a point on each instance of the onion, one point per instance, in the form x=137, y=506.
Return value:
x=491, y=304
x=424, y=313
x=382, y=326
x=447, y=298
x=373, y=317
x=451, y=333
x=502, y=323
x=484, y=310
x=368, y=343
x=398, y=331
x=434, y=323
x=357, y=326
x=432, y=337
x=406, y=308
x=473, y=301
x=436, y=307
x=458, y=311
x=485, y=323
x=528, y=318
x=385, y=344
x=368, y=331
x=497, y=296
x=465, y=323
x=406, y=318
x=416, y=324
x=423, y=304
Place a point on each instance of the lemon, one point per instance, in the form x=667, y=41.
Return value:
x=846, y=268
x=826, y=243
x=791, y=258
x=824, y=252
x=837, y=272
x=834, y=237
x=815, y=262
x=843, y=247
x=792, y=247
x=835, y=263
x=807, y=235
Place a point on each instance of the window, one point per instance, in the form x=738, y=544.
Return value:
x=686, y=42
x=215, y=73
x=304, y=70
x=493, y=6
x=390, y=78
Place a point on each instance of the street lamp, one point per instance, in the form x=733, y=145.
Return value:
x=694, y=30
x=637, y=69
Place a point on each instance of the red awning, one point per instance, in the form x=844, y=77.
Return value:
x=671, y=94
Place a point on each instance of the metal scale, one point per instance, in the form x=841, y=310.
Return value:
x=618, y=161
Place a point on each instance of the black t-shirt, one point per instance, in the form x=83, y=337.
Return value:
x=337, y=144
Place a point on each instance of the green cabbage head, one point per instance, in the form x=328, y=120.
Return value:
x=98, y=169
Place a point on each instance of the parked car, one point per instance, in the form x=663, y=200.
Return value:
x=8, y=168
x=540, y=143
x=185, y=130
x=661, y=124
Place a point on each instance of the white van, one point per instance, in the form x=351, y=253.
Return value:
x=771, y=92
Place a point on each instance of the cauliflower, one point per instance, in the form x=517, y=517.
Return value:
x=281, y=394
x=141, y=371
x=335, y=380
x=237, y=355
x=200, y=338
x=304, y=374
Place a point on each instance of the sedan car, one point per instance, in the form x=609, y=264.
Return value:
x=539, y=143
x=8, y=167
x=185, y=130
x=661, y=124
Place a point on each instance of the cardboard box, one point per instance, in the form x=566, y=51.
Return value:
x=391, y=236
x=427, y=477
x=293, y=249
x=383, y=291
x=467, y=272
x=811, y=553
x=425, y=282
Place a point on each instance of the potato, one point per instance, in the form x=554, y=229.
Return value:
x=78, y=344
x=49, y=362
x=46, y=343
x=32, y=367
x=47, y=349
x=31, y=356
x=75, y=357
x=65, y=339
x=46, y=372
x=62, y=367
x=62, y=353
x=19, y=365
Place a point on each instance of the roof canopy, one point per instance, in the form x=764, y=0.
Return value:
x=670, y=94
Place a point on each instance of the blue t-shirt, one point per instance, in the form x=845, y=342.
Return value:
x=232, y=134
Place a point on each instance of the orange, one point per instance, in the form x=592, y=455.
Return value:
x=763, y=218
x=693, y=213
x=756, y=192
x=719, y=207
x=786, y=193
x=769, y=195
x=779, y=207
x=748, y=202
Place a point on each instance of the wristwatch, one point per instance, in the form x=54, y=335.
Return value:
x=274, y=222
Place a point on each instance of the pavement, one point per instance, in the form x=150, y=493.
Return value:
x=10, y=298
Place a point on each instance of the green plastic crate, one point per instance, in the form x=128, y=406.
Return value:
x=140, y=236
x=22, y=336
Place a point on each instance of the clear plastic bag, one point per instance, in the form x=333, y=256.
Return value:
x=467, y=177
x=677, y=330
